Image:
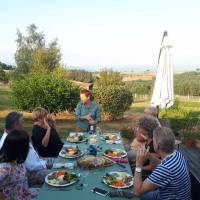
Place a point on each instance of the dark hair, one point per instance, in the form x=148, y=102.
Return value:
x=11, y=119
x=85, y=92
x=148, y=123
x=15, y=147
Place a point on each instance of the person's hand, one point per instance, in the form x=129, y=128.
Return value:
x=92, y=122
x=46, y=124
x=145, y=138
x=88, y=117
x=142, y=155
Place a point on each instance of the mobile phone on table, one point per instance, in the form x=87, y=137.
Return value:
x=100, y=191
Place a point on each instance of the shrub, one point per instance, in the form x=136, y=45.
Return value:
x=48, y=90
x=113, y=99
x=140, y=87
x=179, y=117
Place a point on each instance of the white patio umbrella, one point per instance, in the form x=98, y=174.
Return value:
x=163, y=89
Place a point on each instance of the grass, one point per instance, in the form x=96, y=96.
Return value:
x=66, y=121
x=194, y=105
x=5, y=98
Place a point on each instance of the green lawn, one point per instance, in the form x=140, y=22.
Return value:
x=5, y=98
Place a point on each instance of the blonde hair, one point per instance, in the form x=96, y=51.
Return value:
x=39, y=113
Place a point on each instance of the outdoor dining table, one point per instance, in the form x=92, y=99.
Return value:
x=93, y=179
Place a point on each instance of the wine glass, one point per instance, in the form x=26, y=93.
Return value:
x=98, y=131
x=99, y=135
x=84, y=174
x=50, y=162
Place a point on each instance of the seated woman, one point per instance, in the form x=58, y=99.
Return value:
x=44, y=136
x=13, y=180
x=144, y=138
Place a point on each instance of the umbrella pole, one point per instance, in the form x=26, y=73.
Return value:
x=157, y=107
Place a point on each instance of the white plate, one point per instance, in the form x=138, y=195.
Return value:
x=83, y=140
x=72, y=156
x=58, y=185
x=111, y=134
x=76, y=133
x=119, y=173
x=121, y=150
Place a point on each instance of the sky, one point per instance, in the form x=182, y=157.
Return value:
x=123, y=34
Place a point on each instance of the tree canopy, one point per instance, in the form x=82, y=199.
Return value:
x=81, y=75
x=112, y=94
x=33, y=54
x=109, y=77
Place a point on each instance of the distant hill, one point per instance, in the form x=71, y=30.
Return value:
x=119, y=68
x=133, y=76
x=132, y=68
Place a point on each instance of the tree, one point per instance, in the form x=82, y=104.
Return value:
x=187, y=83
x=140, y=87
x=81, y=75
x=48, y=90
x=109, y=77
x=112, y=94
x=34, y=54
x=113, y=99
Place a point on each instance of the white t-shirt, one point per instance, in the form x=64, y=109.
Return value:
x=33, y=162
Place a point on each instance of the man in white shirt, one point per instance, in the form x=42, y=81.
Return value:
x=36, y=167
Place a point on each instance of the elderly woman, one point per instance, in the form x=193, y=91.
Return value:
x=44, y=136
x=144, y=138
x=87, y=111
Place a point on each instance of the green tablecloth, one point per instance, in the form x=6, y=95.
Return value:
x=93, y=180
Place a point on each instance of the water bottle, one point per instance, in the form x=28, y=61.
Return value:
x=91, y=131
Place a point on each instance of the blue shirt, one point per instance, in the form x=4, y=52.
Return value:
x=172, y=178
x=85, y=109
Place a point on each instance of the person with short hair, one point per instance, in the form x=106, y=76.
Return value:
x=152, y=111
x=170, y=180
x=14, y=120
x=44, y=136
x=87, y=111
x=36, y=167
x=143, y=139
x=13, y=180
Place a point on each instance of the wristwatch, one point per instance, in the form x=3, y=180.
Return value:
x=138, y=169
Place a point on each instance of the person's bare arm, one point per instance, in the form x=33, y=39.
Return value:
x=139, y=186
x=150, y=167
x=142, y=187
x=45, y=140
x=85, y=117
x=154, y=159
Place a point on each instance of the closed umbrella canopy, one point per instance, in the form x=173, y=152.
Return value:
x=163, y=89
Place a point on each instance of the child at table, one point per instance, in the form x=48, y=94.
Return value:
x=13, y=180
